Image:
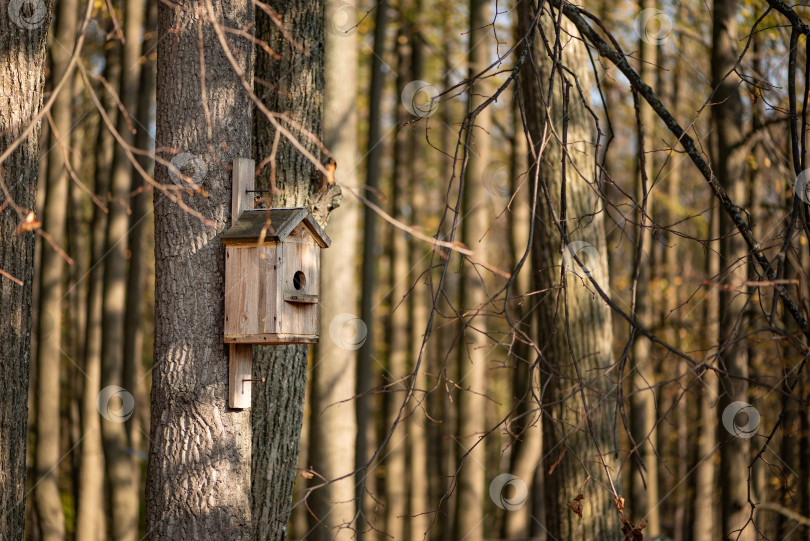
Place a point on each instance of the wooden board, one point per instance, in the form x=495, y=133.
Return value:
x=272, y=339
x=250, y=289
x=240, y=367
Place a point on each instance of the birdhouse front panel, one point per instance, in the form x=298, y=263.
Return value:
x=300, y=283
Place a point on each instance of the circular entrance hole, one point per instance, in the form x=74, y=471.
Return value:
x=299, y=280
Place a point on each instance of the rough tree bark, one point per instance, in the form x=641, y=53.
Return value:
x=472, y=351
x=333, y=427
x=198, y=479
x=49, y=336
x=291, y=85
x=728, y=162
x=22, y=77
x=574, y=325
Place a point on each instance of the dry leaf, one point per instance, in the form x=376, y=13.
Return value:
x=576, y=505
x=307, y=474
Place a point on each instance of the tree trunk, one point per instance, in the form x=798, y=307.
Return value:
x=139, y=260
x=473, y=349
x=91, y=517
x=49, y=336
x=574, y=328
x=395, y=456
x=643, y=415
x=728, y=162
x=333, y=428
x=419, y=506
x=22, y=76
x=293, y=85
x=369, y=268
x=527, y=444
x=121, y=475
x=198, y=480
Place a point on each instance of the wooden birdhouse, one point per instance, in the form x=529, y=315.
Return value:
x=272, y=279
x=272, y=264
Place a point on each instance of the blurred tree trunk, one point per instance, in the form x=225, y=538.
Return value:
x=139, y=266
x=52, y=264
x=293, y=85
x=474, y=346
x=419, y=505
x=527, y=442
x=728, y=162
x=22, y=76
x=376, y=146
x=333, y=427
x=91, y=518
x=395, y=455
x=122, y=480
x=643, y=413
x=198, y=480
x=574, y=328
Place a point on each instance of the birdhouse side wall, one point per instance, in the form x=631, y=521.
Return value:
x=251, y=273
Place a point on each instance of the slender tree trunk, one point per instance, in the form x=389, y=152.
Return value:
x=376, y=146
x=139, y=266
x=643, y=415
x=527, y=445
x=22, y=76
x=292, y=84
x=395, y=461
x=728, y=164
x=198, y=481
x=91, y=517
x=333, y=427
x=49, y=335
x=419, y=506
x=121, y=477
x=473, y=349
x=574, y=327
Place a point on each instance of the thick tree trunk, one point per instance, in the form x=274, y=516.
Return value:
x=49, y=336
x=728, y=162
x=574, y=328
x=22, y=76
x=198, y=480
x=474, y=346
x=293, y=85
x=333, y=427
x=121, y=475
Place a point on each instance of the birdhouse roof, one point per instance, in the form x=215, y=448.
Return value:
x=283, y=221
